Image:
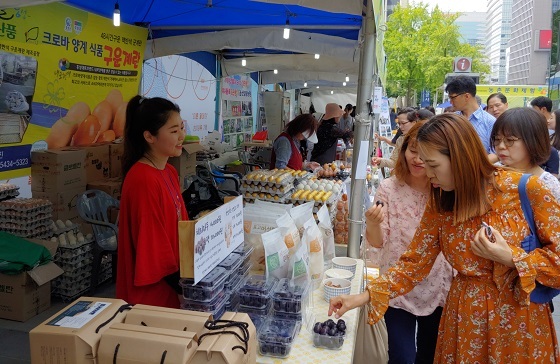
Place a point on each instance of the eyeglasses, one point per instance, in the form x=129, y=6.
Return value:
x=402, y=123
x=508, y=142
x=453, y=97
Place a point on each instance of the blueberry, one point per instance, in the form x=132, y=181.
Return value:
x=324, y=330
x=317, y=327
x=329, y=322
x=331, y=332
x=341, y=326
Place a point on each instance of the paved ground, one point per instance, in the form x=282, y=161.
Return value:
x=14, y=336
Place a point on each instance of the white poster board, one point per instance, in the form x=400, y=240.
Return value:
x=216, y=236
x=377, y=97
x=186, y=83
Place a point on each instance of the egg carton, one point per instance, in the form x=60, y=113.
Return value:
x=270, y=177
x=74, y=263
x=76, y=274
x=87, y=241
x=30, y=234
x=267, y=197
x=276, y=199
x=27, y=205
x=27, y=225
x=11, y=215
x=24, y=219
x=67, y=254
x=8, y=191
x=68, y=226
x=70, y=294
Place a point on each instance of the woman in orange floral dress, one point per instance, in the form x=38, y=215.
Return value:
x=488, y=317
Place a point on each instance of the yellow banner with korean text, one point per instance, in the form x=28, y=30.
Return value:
x=66, y=75
x=512, y=90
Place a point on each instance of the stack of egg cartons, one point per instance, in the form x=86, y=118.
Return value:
x=26, y=217
x=208, y=295
x=75, y=257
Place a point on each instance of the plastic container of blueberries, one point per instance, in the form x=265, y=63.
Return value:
x=216, y=307
x=231, y=264
x=256, y=291
x=276, y=337
x=245, y=251
x=208, y=287
x=328, y=342
x=288, y=296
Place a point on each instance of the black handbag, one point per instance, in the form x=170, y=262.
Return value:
x=201, y=196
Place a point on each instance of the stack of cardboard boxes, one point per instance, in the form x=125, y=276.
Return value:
x=27, y=294
x=60, y=175
x=102, y=330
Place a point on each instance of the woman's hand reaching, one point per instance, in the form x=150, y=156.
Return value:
x=339, y=305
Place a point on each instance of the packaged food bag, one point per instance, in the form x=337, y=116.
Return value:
x=300, y=214
x=314, y=240
x=290, y=232
x=277, y=256
x=325, y=226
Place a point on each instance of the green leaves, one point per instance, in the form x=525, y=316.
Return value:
x=420, y=48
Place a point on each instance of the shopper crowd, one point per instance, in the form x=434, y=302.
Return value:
x=450, y=234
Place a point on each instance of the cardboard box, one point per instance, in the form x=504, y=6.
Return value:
x=186, y=163
x=97, y=162
x=217, y=349
x=70, y=337
x=64, y=203
x=56, y=170
x=116, y=152
x=111, y=186
x=168, y=318
x=24, y=295
x=134, y=344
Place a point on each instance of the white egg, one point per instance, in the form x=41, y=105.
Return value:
x=314, y=186
x=336, y=188
x=328, y=187
x=307, y=187
x=300, y=186
x=321, y=188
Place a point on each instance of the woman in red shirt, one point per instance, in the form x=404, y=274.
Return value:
x=151, y=204
x=286, y=148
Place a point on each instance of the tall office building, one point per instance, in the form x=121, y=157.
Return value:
x=392, y=4
x=472, y=27
x=498, y=21
x=529, y=55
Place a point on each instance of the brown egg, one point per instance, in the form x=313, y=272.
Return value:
x=104, y=114
x=119, y=120
x=115, y=99
x=87, y=132
x=62, y=130
x=106, y=136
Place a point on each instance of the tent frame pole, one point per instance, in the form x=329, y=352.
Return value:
x=361, y=129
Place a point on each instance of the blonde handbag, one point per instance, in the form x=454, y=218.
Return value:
x=372, y=343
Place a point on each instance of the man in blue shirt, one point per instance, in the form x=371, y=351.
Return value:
x=462, y=95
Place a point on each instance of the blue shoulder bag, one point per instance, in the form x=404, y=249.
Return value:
x=541, y=294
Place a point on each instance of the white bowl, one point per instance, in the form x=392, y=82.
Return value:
x=345, y=263
x=338, y=273
x=331, y=292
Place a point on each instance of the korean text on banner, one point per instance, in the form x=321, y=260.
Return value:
x=216, y=236
x=66, y=75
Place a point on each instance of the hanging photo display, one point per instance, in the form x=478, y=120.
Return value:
x=237, y=109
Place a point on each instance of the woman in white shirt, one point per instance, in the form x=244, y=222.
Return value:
x=412, y=320
x=520, y=139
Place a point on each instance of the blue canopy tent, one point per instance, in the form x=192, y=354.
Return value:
x=251, y=29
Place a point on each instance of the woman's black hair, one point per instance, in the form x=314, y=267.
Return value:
x=528, y=125
x=143, y=114
x=303, y=122
x=499, y=95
